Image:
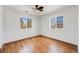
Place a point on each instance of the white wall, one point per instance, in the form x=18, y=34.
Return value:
x=1, y=31
x=39, y=25
x=69, y=32
x=11, y=26
x=78, y=27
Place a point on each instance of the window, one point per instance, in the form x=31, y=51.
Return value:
x=60, y=22
x=25, y=22
x=56, y=22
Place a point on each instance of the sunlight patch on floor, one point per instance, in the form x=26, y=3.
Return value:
x=54, y=49
x=27, y=49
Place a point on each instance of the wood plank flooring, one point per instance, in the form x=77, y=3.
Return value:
x=40, y=44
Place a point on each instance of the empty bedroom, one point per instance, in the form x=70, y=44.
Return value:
x=38, y=29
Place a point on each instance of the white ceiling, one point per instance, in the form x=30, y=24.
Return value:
x=47, y=8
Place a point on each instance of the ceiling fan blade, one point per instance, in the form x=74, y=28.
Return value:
x=36, y=6
x=41, y=7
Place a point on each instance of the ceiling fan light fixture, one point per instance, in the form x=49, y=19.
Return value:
x=38, y=8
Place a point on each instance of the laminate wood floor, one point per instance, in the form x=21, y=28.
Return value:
x=39, y=44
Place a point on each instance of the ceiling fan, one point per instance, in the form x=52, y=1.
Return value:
x=38, y=8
